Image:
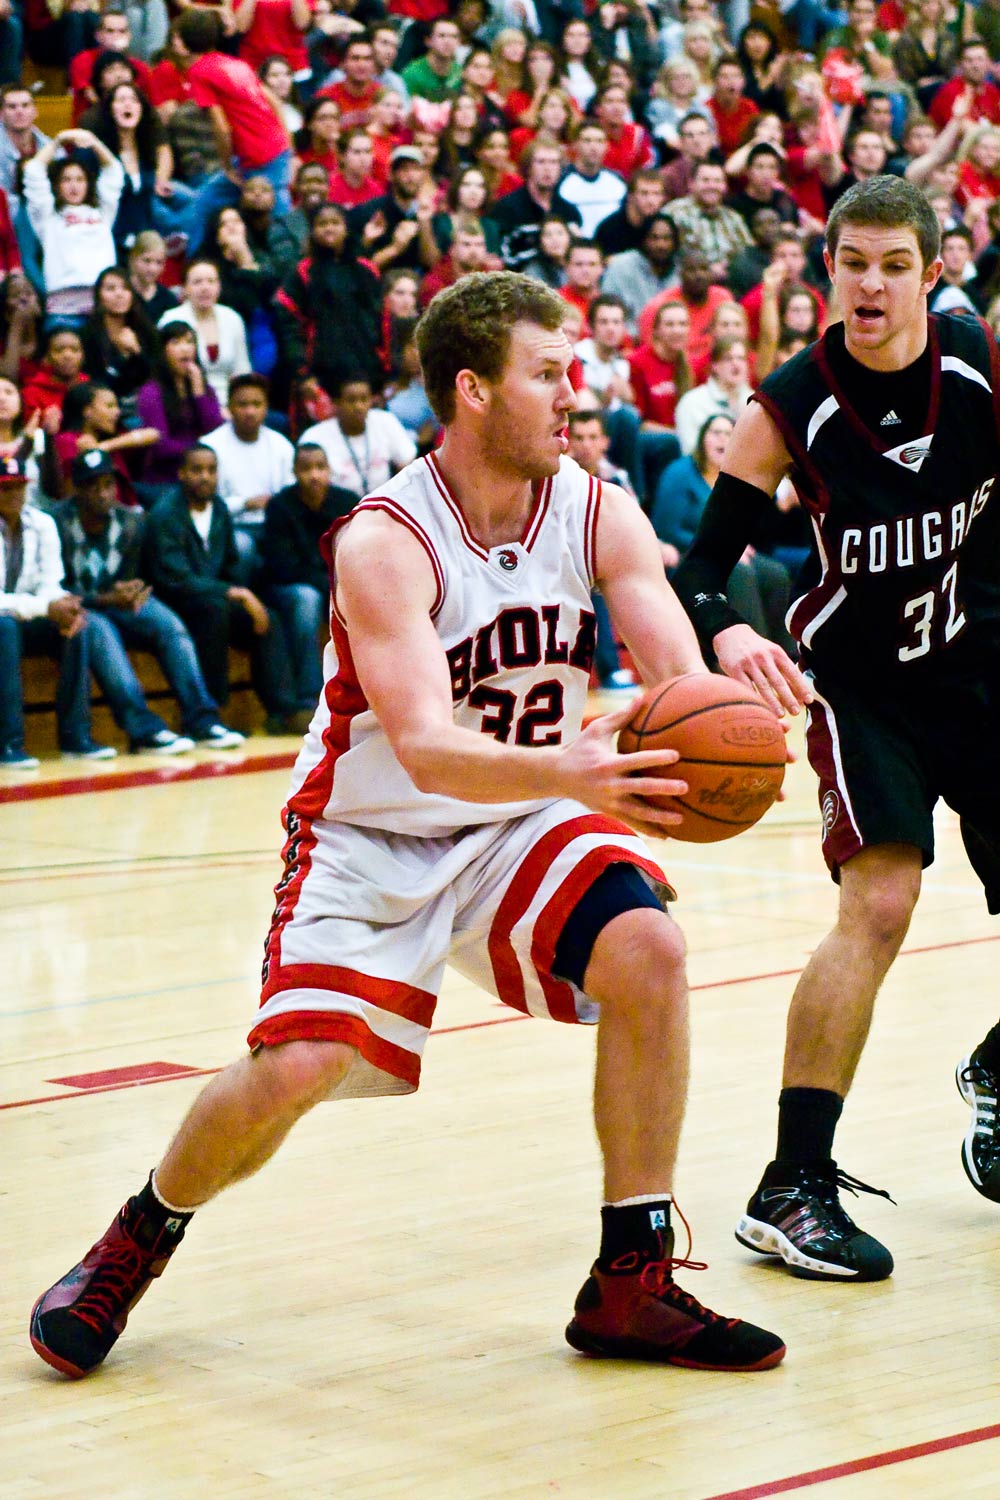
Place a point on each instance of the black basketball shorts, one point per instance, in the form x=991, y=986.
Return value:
x=883, y=760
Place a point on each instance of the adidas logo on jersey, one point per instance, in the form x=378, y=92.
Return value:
x=890, y=420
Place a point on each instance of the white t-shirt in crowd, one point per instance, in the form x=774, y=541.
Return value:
x=248, y=469
x=598, y=373
x=366, y=462
x=595, y=197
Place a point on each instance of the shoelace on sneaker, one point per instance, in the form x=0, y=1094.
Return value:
x=122, y=1268
x=657, y=1278
x=826, y=1185
x=986, y=1103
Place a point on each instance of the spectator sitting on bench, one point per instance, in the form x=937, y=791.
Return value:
x=38, y=617
x=364, y=447
x=254, y=460
x=193, y=564
x=91, y=421
x=180, y=404
x=61, y=368
x=101, y=549
x=295, y=580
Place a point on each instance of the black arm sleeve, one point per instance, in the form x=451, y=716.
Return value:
x=730, y=519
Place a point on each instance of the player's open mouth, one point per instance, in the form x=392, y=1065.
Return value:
x=562, y=435
x=868, y=314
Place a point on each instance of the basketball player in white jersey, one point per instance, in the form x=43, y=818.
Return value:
x=447, y=805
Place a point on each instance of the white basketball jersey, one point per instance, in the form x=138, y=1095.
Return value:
x=518, y=629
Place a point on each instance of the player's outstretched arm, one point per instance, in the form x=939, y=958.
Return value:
x=756, y=461
x=645, y=610
x=385, y=593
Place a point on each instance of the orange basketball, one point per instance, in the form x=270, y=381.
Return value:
x=732, y=751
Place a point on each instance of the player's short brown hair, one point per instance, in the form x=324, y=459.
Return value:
x=468, y=327
x=887, y=203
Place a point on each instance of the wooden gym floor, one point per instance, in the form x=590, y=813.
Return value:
x=380, y=1312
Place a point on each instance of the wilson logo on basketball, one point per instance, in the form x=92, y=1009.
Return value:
x=507, y=560
x=751, y=734
x=831, y=812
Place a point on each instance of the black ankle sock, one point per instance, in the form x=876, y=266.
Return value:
x=155, y=1215
x=988, y=1051
x=807, y=1121
x=639, y=1229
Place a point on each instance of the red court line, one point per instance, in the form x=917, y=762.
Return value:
x=73, y=786
x=206, y=770
x=134, y=1073
x=711, y=984
x=862, y=1465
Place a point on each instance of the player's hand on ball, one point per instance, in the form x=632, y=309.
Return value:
x=595, y=774
x=748, y=657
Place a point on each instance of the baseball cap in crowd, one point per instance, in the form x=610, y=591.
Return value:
x=12, y=471
x=93, y=464
x=405, y=153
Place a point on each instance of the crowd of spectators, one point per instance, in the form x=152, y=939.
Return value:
x=212, y=274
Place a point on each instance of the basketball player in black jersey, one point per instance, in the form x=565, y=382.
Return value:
x=889, y=426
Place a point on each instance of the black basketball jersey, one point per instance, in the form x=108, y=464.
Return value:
x=908, y=536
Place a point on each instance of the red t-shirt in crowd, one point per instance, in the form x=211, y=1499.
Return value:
x=382, y=148
x=45, y=389
x=273, y=32
x=974, y=183
x=699, y=338
x=81, y=73
x=519, y=139
x=346, y=196
x=891, y=16
x=418, y=10
x=67, y=446
x=167, y=84
x=328, y=159
x=581, y=301
x=633, y=149
x=755, y=296
x=10, y=253
x=654, y=385
x=804, y=183
x=985, y=102
x=355, y=109
x=731, y=123
x=258, y=135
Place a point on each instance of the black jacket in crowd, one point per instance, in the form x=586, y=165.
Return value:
x=178, y=564
x=288, y=546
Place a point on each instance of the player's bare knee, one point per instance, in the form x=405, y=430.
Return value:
x=638, y=959
x=297, y=1075
x=881, y=913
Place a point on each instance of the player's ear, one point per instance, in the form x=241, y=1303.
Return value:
x=471, y=390
x=931, y=274
x=828, y=262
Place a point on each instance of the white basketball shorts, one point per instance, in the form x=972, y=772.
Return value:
x=365, y=921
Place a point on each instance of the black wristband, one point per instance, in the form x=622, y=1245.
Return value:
x=711, y=613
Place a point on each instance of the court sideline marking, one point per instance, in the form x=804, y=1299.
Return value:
x=862, y=1465
x=711, y=984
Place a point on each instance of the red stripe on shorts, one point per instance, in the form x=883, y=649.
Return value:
x=392, y=995
x=322, y=1026
x=523, y=889
x=297, y=858
x=552, y=919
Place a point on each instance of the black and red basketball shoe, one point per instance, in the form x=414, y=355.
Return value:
x=796, y=1214
x=979, y=1088
x=635, y=1310
x=75, y=1324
